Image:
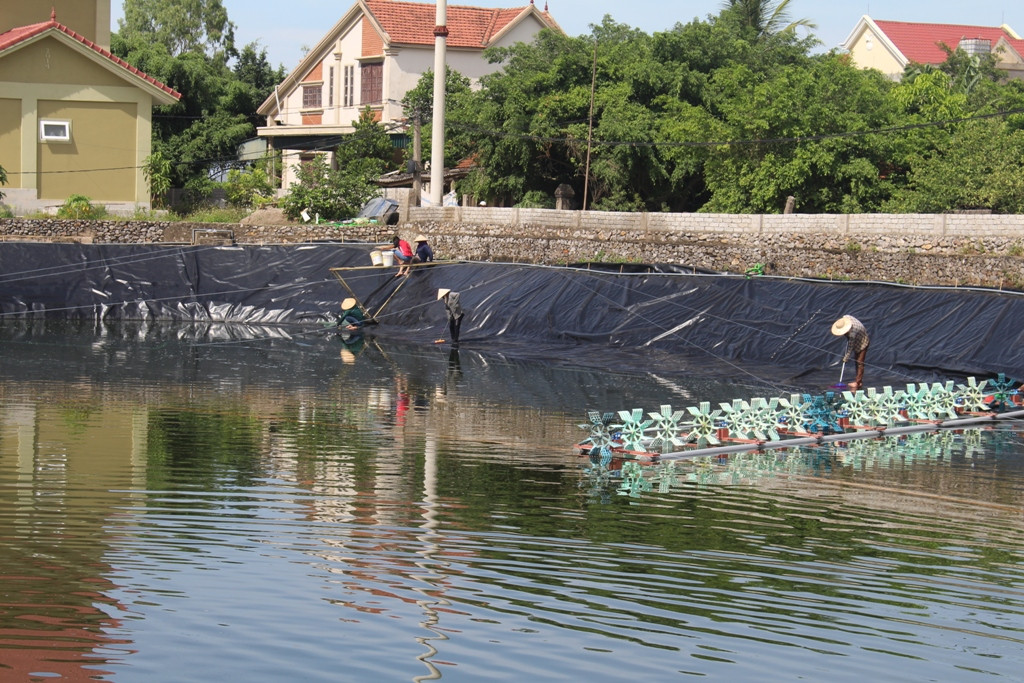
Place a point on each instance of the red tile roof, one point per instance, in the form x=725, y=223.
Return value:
x=413, y=22
x=920, y=42
x=22, y=33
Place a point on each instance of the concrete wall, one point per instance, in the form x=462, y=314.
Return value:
x=951, y=249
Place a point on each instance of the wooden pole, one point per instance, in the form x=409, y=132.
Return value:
x=590, y=128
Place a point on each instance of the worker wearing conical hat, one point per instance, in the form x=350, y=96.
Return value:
x=857, y=342
x=352, y=316
x=453, y=309
x=424, y=252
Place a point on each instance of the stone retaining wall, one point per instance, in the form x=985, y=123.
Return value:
x=949, y=249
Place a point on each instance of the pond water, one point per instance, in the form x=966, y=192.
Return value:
x=203, y=503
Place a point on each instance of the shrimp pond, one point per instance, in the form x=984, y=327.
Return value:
x=194, y=503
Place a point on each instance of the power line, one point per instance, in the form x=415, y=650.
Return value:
x=747, y=141
x=331, y=142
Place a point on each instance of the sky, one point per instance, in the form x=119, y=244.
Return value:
x=284, y=29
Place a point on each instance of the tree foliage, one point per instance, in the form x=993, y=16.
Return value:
x=339, y=193
x=187, y=44
x=736, y=114
x=762, y=18
x=418, y=103
x=181, y=26
x=330, y=194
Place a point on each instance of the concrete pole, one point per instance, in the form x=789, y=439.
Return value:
x=437, y=134
x=417, y=160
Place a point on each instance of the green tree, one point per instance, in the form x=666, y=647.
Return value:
x=253, y=69
x=249, y=188
x=981, y=166
x=157, y=170
x=199, y=134
x=532, y=119
x=801, y=132
x=3, y=180
x=339, y=193
x=331, y=194
x=368, y=148
x=419, y=102
x=762, y=18
x=181, y=25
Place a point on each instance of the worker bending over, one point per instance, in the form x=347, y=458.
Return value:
x=453, y=308
x=857, y=342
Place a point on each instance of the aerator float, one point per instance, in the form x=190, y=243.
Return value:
x=763, y=424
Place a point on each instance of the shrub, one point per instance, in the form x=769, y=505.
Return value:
x=333, y=194
x=215, y=214
x=157, y=170
x=78, y=207
x=535, y=199
x=250, y=189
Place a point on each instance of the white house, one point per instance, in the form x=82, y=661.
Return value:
x=374, y=55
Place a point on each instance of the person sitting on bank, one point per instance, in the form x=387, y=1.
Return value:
x=403, y=255
x=453, y=308
x=351, y=316
x=857, y=342
x=424, y=254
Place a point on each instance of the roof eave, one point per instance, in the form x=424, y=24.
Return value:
x=867, y=23
x=269, y=105
x=531, y=10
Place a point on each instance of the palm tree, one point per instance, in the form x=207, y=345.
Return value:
x=764, y=17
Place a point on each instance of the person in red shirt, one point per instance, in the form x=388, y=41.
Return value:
x=403, y=254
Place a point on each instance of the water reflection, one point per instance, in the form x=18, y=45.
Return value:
x=57, y=464
x=987, y=452
x=289, y=506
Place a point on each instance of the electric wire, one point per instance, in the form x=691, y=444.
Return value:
x=332, y=142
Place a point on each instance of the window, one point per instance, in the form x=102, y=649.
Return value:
x=54, y=131
x=330, y=87
x=371, y=78
x=312, y=96
x=349, y=88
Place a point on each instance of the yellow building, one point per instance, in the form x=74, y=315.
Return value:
x=889, y=46
x=74, y=119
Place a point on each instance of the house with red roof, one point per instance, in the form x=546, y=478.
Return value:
x=74, y=119
x=371, y=57
x=889, y=46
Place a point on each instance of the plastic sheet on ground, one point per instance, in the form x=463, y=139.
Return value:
x=602, y=316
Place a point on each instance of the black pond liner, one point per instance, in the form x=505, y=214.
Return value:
x=657, y=317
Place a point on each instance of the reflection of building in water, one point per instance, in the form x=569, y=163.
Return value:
x=63, y=465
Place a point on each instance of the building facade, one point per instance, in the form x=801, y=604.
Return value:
x=890, y=46
x=74, y=119
x=371, y=57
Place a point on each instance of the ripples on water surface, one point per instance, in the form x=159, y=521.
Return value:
x=198, y=505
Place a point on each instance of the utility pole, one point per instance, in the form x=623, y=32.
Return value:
x=437, y=137
x=590, y=126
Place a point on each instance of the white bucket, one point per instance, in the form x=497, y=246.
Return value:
x=375, y=258
x=387, y=258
